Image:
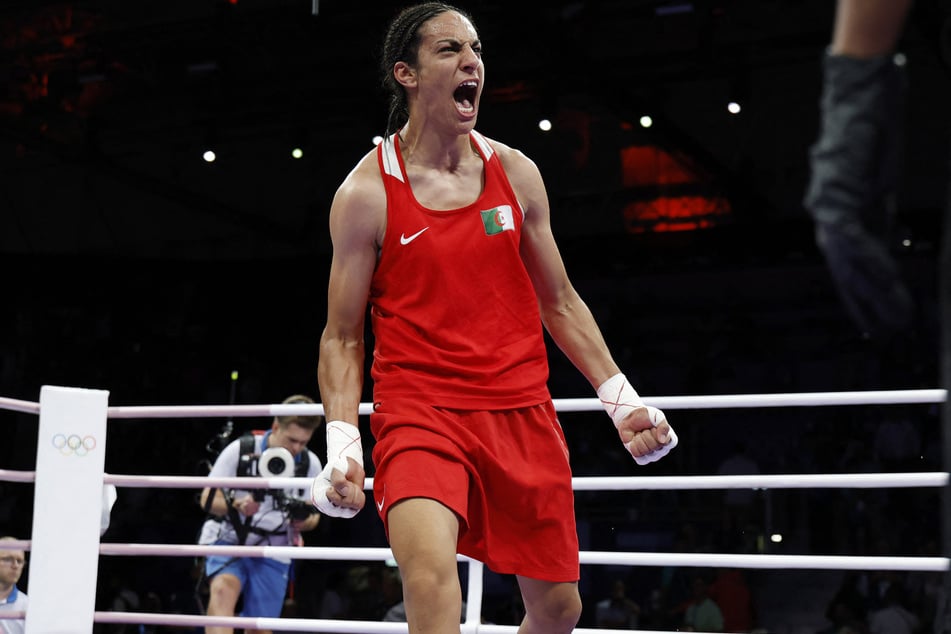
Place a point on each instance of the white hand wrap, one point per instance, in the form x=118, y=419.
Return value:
x=343, y=441
x=619, y=399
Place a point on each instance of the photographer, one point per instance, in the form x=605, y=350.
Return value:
x=259, y=516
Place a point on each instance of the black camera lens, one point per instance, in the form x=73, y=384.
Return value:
x=275, y=465
x=297, y=509
x=300, y=512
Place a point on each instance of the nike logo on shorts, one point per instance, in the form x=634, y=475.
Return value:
x=404, y=240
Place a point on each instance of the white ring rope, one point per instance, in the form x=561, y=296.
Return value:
x=471, y=625
x=15, y=544
x=314, y=625
x=7, y=475
x=586, y=483
x=811, y=481
x=809, y=399
x=714, y=560
x=16, y=405
x=596, y=483
x=285, y=625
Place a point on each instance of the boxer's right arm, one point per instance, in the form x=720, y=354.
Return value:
x=357, y=218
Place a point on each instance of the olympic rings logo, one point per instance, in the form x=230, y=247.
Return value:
x=73, y=444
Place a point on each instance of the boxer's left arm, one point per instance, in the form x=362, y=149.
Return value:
x=645, y=432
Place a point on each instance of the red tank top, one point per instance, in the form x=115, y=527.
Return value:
x=454, y=313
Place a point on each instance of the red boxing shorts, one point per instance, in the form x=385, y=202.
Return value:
x=505, y=473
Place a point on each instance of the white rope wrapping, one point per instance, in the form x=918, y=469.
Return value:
x=343, y=442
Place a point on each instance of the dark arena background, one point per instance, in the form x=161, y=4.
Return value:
x=132, y=264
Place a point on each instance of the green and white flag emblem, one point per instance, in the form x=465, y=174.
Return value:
x=498, y=219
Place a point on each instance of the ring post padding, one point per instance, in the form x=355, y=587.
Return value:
x=67, y=507
x=473, y=615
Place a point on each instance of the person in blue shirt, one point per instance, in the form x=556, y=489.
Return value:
x=12, y=599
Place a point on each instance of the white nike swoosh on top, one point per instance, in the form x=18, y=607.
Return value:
x=405, y=240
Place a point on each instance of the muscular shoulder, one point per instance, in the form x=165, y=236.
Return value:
x=359, y=206
x=363, y=186
x=513, y=160
x=522, y=172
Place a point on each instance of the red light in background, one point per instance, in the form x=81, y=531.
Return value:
x=650, y=165
x=669, y=185
x=675, y=213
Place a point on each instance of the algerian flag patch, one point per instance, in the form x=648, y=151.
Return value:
x=498, y=219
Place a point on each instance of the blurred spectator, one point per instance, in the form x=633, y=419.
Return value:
x=926, y=589
x=125, y=599
x=393, y=596
x=675, y=580
x=702, y=614
x=897, y=443
x=12, y=599
x=731, y=593
x=894, y=617
x=334, y=603
x=618, y=611
x=847, y=609
x=738, y=524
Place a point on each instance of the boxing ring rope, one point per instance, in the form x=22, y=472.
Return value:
x=61, y=402
x=714, y=560
x=587, y=483
x=717, y=401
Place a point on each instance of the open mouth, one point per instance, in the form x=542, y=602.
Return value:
x=465, y=96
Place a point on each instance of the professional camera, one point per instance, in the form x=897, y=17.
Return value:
x=295, y=509
x=276, y=462
x=292, y=507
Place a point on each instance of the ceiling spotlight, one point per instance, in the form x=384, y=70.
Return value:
x=209, y=156
x=646, y=121
x=377, y=140
x=544, y=125
x=297, y=153
x=733, y=107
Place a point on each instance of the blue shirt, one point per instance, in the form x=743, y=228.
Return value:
x=16, y=601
